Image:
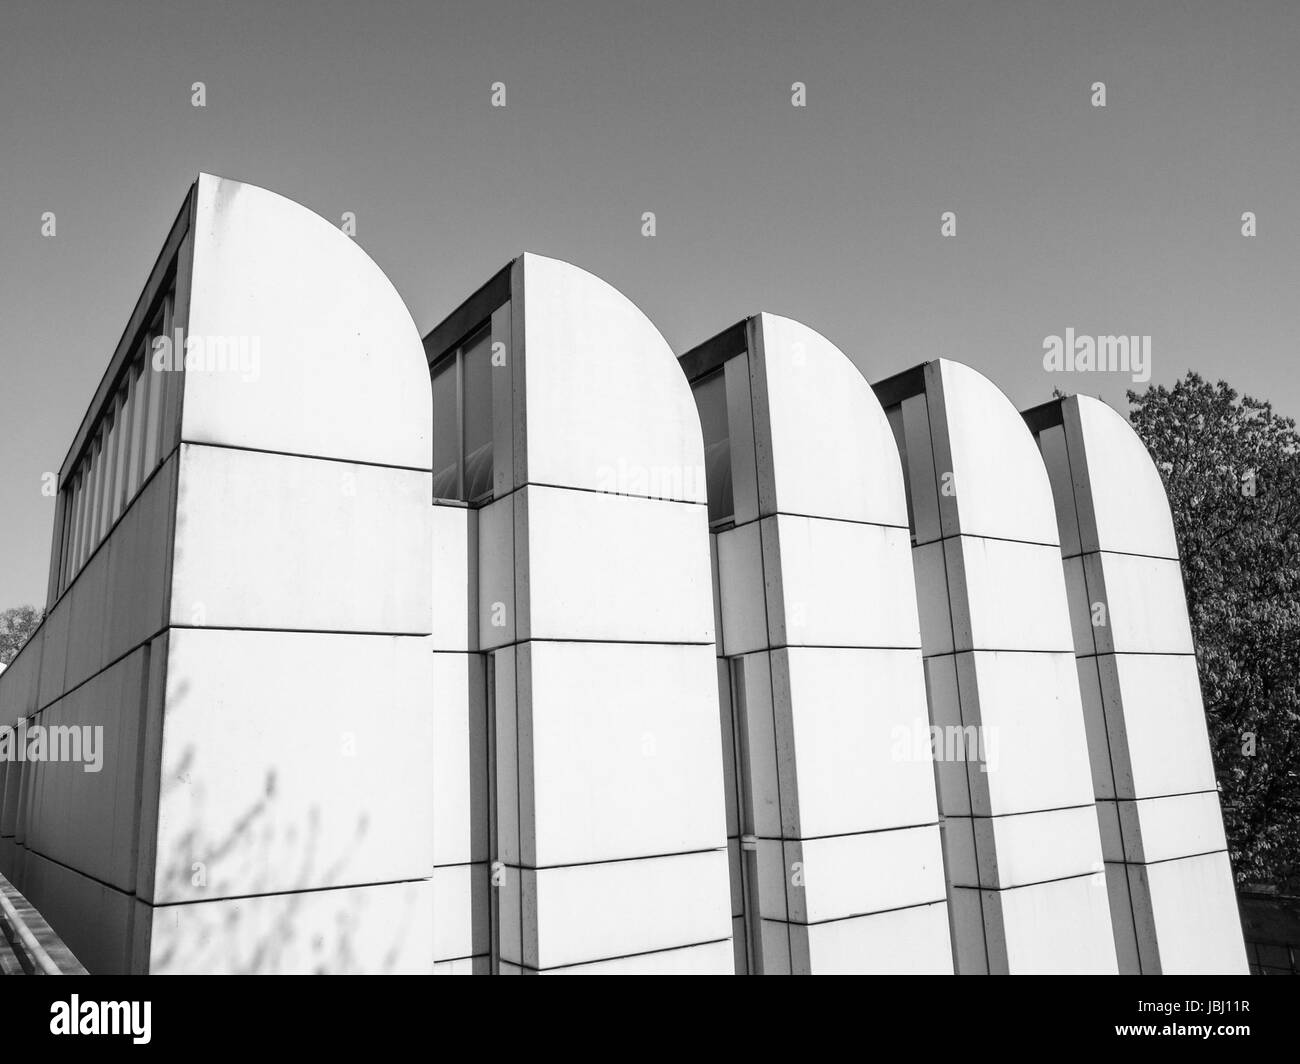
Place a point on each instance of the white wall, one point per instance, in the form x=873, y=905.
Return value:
x=1168, y=873
x=833, y=828
x=1023, y=851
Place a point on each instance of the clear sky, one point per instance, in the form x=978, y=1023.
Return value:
x=1122, y=220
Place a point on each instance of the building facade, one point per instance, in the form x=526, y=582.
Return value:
x=530, y=648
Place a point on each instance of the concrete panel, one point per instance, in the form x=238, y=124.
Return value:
x=1056, y=458
x=54, y=651
x=1007, y=596
x=20, y=682
x=268, y=541
x=1000, y=487
x=1146, y=610
x=139, y=566
x=1080, y=603
x=88, y=820
x=454, y=531
x=1121, y=919
x=626, y=751
x=460, y=759
x=832, y=451
x=460, y=911
x=1158, y=739
x=370, y=930
x=615, y=567
x=89, y=620
x=1194, y=915
x=840, y=584
x=763, y=814
x=496, y=574
x=1028, y=706
x=1029, y=848
x=922, y=477
x=607, y=407
x=93, y=920
x=903, y=942
x=776, y=864
x=340, y=370
x=741, y=590
x=1121, y=499
x=840, y=875
x=1052, y=928
x=1159, y=829
x=934, y=608
x=944, y=701
x=710, y=958
x=245, y=750
x=502, y=673
x=1101, y=752
x=861, y=740
x=583, y=913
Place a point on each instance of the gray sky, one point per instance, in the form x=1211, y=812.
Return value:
x=1125, y=219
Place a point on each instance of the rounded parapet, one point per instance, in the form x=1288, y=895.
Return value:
x=607, y=407
x=1122, y=505
x=297, y=342
x=832, y=451
x=992, y=479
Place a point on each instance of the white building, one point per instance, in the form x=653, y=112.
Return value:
x=451, y=656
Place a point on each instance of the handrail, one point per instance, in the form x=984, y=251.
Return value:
x=21, y=930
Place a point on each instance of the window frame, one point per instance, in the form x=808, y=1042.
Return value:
x=454, y=359
x=123, y=448
x=719, y=375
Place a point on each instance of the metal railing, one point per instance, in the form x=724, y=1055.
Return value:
x=28, y=945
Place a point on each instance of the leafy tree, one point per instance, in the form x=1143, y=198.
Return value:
x=1232, y=470
x=16, y=626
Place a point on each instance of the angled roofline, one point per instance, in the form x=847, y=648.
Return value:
x=703, y=359
x=467, y=317
x=1045, y=416
x=154, y=290
x=893, y=390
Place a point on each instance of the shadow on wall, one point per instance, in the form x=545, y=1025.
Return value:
x=260, y=932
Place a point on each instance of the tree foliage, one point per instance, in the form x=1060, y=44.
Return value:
x=1231, y=467
x=16, y=626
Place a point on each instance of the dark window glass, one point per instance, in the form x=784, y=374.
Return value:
x=476, y=368
x=446, y=432
x=711, y=400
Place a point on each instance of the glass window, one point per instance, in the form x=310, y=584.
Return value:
x=462, y=421
x=72, y=539
x=106, y=497
x=121, y=448
x=124, y=446
x=446, y=431
x=711, y=400
x=94, y=508
x=83, y=513
x=476, y=371
x=138, y=381
x=153, y=415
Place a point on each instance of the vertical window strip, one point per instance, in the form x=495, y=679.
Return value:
x=83, y=502
x=136, y=382
x=92, y=503
x=124, y=450
x=106, y=498
x=122, y=429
